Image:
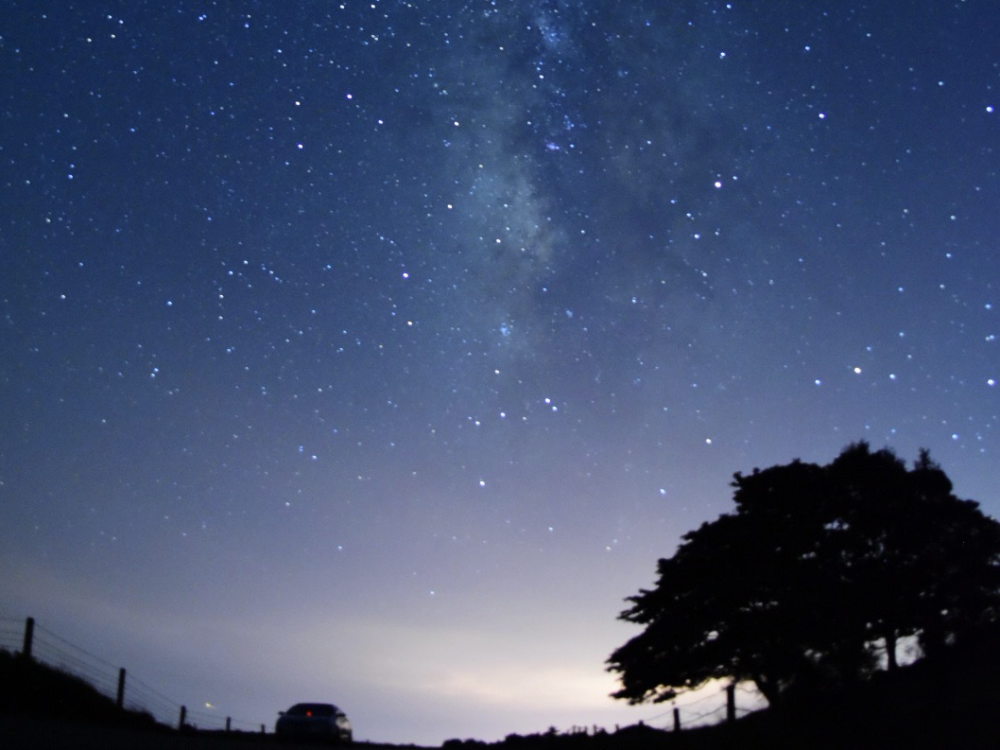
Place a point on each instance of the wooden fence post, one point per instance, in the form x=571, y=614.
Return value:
x=120, y=699
x=184, y=713
x=29, y=637
x=731, y=703
x=229, y=723
x=677, y=720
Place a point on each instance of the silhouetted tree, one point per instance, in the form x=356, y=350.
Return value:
x=819, y=571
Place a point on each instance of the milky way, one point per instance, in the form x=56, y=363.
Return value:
x=373, y=352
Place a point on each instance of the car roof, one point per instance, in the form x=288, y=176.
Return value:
x=314, y=707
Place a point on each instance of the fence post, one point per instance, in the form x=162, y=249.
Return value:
x=677, y=720
x=731, y=703
x=29, y=636
x=263, y=729
x=229, y=723
x=184, y=713
x=120, y=700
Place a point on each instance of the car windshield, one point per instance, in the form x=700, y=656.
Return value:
x=312, y=709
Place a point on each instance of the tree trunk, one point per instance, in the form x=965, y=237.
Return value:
x=767, y=689
x=890, y=651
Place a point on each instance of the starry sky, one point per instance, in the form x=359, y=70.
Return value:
x=373, y=352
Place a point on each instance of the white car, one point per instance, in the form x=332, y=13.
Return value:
x=315, y=720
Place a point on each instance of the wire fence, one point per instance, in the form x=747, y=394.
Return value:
x=710, y=709
x=42, y=645
x=47, y=647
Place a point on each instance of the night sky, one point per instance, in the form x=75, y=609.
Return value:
x=373, y=352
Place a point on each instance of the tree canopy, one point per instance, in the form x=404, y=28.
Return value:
x=814, y=580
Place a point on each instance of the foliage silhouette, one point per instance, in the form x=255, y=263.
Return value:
x=814, y=580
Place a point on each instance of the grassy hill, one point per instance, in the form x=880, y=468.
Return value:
x=927, y=705
x=30, y=688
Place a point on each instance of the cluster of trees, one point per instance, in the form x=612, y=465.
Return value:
x=815, y=581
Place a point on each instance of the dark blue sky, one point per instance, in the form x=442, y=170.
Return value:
x=373, y=352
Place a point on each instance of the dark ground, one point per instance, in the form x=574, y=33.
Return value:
x=917, y=707
x=33, y=733
x=30, y=733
